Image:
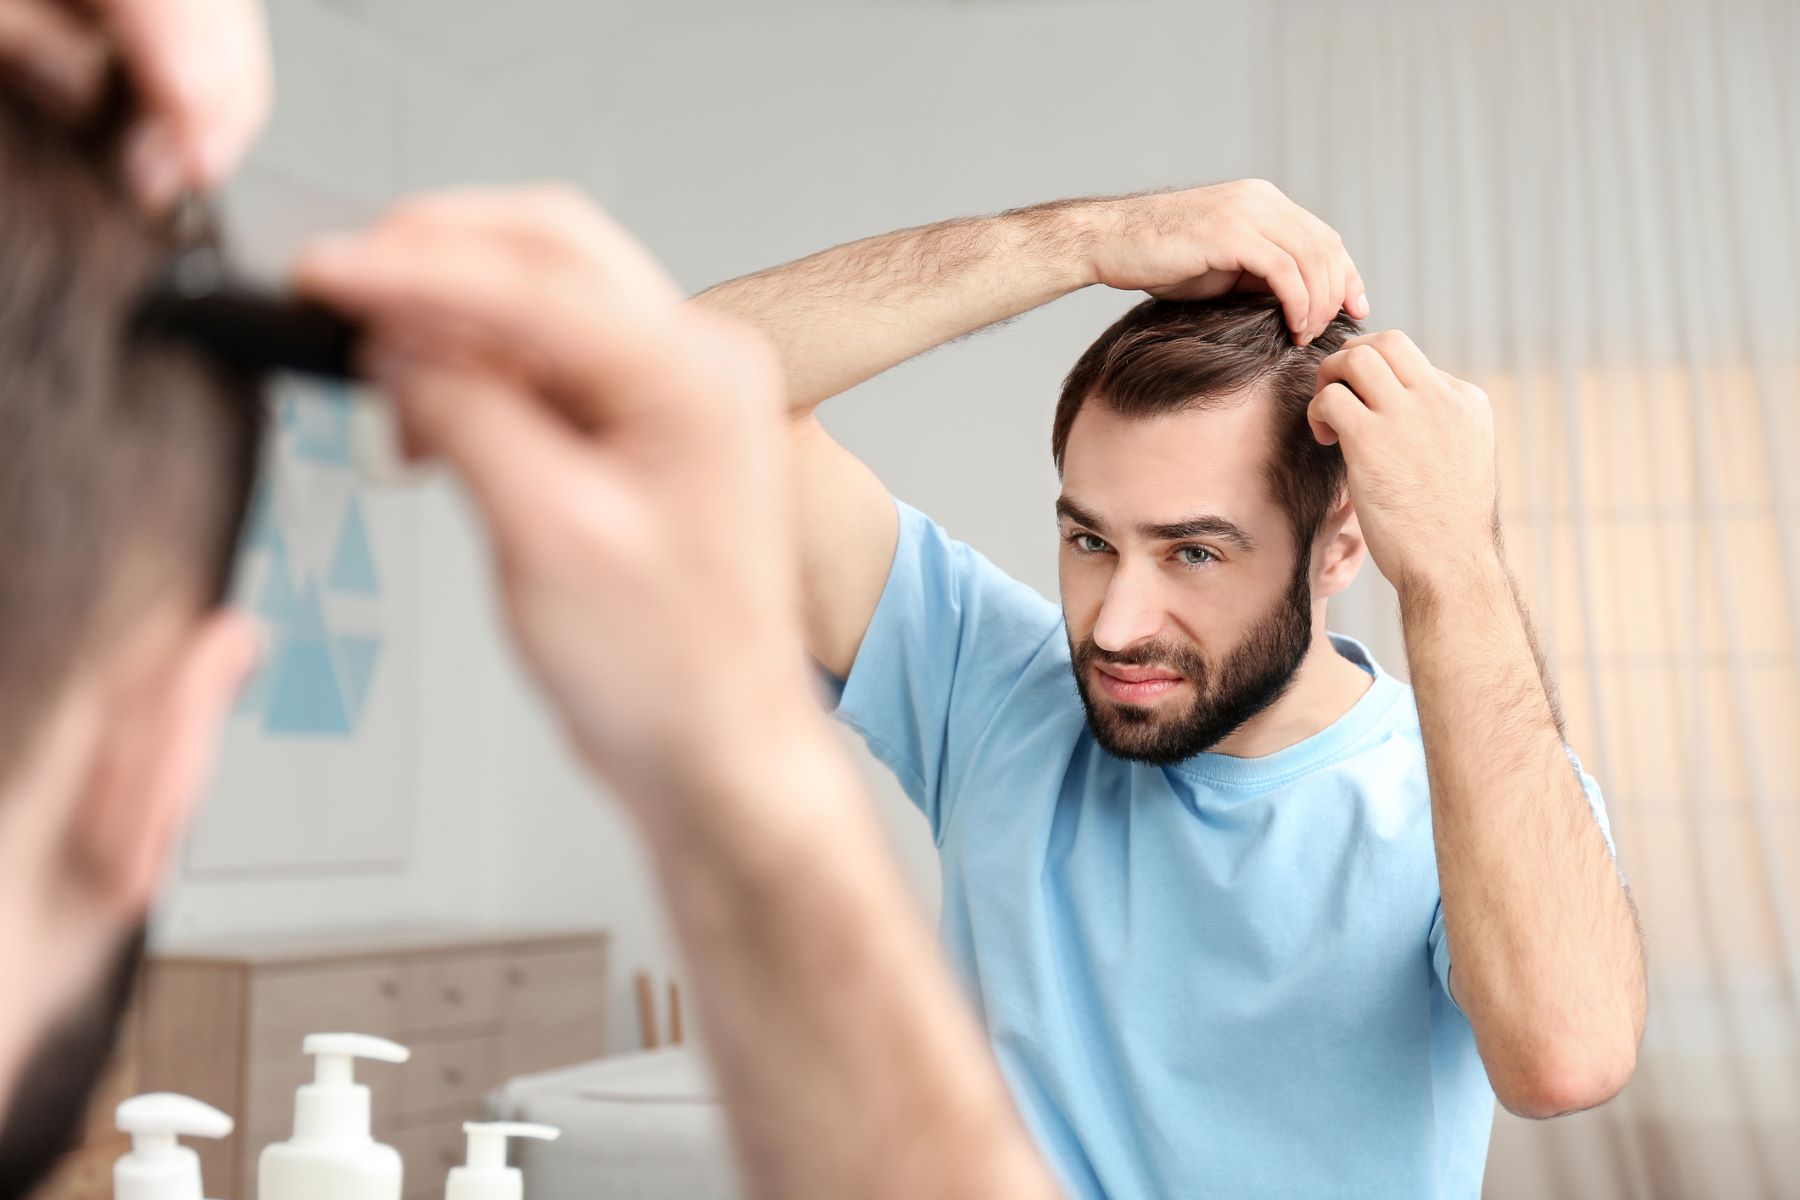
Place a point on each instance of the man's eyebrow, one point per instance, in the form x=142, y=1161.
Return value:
x=1199, y=525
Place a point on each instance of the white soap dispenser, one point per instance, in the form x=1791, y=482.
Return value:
x=332, y=1155
x=487, y=1177
x=159, y=1167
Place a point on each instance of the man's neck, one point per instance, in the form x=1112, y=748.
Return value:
x=1326, y=686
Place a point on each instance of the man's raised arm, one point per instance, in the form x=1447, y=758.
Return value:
x=845, y=315
x=1544, y=948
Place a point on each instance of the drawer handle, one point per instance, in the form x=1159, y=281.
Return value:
x=516, y=976
x=453, y=1077
x=389, y=989
x=454, y=995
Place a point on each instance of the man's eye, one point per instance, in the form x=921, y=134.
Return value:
x=1205, y=555
x=1078, y=540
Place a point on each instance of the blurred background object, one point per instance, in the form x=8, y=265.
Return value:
x=1592, y=209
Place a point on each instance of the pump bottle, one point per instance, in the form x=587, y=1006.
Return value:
x=332, y=1155
x=487, y=1177
x=159, y=1167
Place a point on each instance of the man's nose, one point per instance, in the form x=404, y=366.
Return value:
x=1132, y=610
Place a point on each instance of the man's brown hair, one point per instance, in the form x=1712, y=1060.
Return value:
x=1168, y=356
x=125, y=465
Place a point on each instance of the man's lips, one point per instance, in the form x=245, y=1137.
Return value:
x=1140, y=674
x=1148, y=684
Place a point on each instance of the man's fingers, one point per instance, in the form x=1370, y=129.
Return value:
x=1346, y=285
x=1357, y=304
x=1335, y=412
x=202, y=69
x=1368, y=374
x=1323, y=243
x=1406, y=360
x=511, y=451
x=57, y=58
x=1340, y=268
x=1309, y=254
x=1278, y=271
x=595, y=343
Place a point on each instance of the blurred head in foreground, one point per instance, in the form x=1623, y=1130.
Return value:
x=125, y=472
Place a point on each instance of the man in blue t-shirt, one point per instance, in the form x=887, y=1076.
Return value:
x=1206, y=865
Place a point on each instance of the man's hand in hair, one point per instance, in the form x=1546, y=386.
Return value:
x=200, y=69
x=1419, y=445
x=1207, y=241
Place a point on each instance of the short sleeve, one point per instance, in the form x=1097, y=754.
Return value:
x=950, y=638
x=1440, y=948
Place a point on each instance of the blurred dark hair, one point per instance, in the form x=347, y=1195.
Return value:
x=125, y=465
x=1167, y=356
x=55, y=1089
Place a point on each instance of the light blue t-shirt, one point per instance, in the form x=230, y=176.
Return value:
x=1224, y=978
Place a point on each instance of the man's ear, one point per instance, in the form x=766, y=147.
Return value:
x=156, y=759
x=1343, y=550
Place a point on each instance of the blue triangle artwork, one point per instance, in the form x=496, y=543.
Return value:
x=316, y=680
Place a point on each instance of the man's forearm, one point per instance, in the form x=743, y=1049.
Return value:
x=1543, y=940
x=848, y=1060
x=847, y=314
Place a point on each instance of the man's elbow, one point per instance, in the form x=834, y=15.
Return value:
x=1557, y=1081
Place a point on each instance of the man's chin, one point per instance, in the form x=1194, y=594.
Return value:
x=1140, y=733
x=1148, y=754
x=50, y=1101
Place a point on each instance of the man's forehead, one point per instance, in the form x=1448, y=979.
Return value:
x=1162, y=467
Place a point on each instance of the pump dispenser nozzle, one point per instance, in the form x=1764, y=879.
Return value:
x=332, y=1153
x=334, y=1106
x=159, y=1167
x=487, y=1177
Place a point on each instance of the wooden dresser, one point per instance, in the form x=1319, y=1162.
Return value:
x=223, y=1022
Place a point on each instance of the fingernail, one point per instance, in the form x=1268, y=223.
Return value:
x=1362, y=305
x=153, y=164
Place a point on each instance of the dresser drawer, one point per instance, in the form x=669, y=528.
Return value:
x=554, y=985
x=451, y=992
x=554, y=1009
x=449, y=1076
x=286, y=1005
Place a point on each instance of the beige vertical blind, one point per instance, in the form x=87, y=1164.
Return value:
x=1593, y=210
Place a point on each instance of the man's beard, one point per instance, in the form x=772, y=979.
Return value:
x=1253, y=676
x=48, y=1106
